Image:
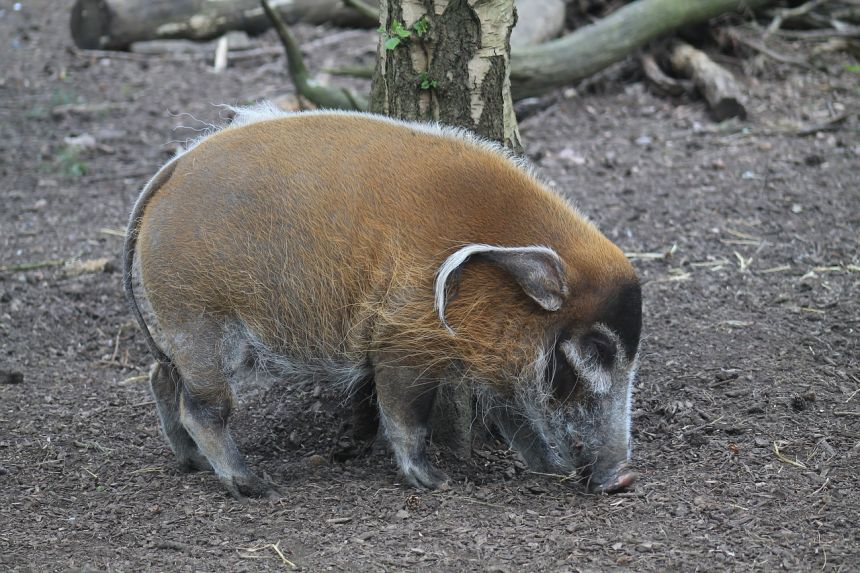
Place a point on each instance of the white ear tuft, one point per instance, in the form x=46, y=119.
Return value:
x=537, y=269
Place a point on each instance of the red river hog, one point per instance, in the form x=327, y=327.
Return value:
x=361, y=250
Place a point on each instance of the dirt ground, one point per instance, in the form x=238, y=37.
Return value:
x=747, y=413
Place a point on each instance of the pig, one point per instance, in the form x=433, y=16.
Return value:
x=370, y=252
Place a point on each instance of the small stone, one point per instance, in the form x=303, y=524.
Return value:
x=82, y=141
x=402, y=514
x=644, y=140
x=571, y=156
x=796, y=208
x=316, y=461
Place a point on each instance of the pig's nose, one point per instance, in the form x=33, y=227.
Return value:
x=621, y=479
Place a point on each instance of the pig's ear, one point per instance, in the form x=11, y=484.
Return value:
x=538, y=270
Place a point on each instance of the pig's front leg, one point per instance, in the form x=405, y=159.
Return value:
x=405, y=397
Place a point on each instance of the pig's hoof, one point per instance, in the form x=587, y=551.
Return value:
x=425, y=476
x=250, y=486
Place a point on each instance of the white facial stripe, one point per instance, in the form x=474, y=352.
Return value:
x=460, y=256
x=589, y=368
x=628, y=405
x=597, y=376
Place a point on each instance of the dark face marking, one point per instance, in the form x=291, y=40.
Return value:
x=623, y=314
x=563, y=379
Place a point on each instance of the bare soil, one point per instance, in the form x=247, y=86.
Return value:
x=747, y=416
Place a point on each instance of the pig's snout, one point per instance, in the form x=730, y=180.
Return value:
x=615, y=481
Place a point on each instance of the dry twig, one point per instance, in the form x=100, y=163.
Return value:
x=274, y=547
x=790, y=13
x=781, y=457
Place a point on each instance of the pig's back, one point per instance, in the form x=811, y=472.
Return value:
x=303, y=227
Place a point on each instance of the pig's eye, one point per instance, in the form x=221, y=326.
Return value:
x=597, y=346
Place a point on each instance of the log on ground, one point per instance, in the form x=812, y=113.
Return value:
x=538, y=69
x=116, y=24
x=716, y=84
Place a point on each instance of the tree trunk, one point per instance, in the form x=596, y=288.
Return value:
x=538, y=69
x=457, y=72
x=116, y=24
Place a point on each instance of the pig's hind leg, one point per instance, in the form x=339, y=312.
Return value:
x=166, y=384
x=405, y=397
x=205, y=403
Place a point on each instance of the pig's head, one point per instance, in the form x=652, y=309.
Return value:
x=565, y=407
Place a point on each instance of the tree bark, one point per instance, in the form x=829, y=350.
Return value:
x=457, y=73
x=538, y=69
x=116, y=24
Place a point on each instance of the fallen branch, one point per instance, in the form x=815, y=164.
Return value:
x=789, y=13
x=760, y=47
x=322, y=96
x=116, y=24
x=715, y=83
x=660, y=80
x=538, y=69
x=844, y=32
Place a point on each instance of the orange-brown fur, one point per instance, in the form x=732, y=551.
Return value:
x=245, y=228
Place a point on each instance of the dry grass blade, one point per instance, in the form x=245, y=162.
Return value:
x=743, y=262
x=737, y=323
x=810, y=309
x=559, y=477
x=653, y=256
x=131, y=379
x=780, y=269
x=829, y=269
x=32, y=266
x=781, y=457
x=274, y=547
